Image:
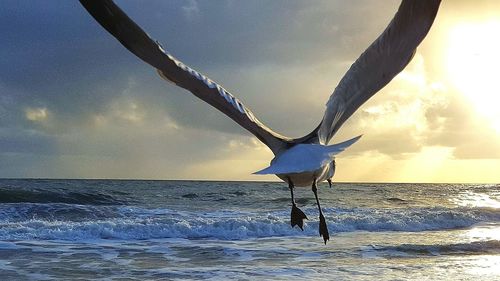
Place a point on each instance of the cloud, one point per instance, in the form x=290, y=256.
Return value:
x=191, y=10
x=395, y=121
x=460, y=128
x=38, y=114
x=74, y=102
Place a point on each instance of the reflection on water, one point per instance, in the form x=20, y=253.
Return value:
x=486, y=266
x=478, y=200
x=483, y=232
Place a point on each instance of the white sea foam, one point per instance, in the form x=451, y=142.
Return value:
x=139, y=223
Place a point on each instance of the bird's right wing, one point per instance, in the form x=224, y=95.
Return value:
x=378, y=65
x=130, y=35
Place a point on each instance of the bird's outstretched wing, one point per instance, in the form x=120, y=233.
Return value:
x=130, y=35
x=377, y=66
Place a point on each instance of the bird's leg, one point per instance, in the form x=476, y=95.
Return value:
x=329, y=182
x=297, y=216
x=323, y=229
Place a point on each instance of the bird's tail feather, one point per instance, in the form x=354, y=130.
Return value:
x=339, y=147
x=305, y=158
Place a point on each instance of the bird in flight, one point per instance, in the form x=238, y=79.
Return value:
x=308, y=160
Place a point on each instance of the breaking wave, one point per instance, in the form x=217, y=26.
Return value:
x=472, y=248
x=76, y=222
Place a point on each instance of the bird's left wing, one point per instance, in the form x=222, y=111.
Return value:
x=130, y=35
x=377, y=66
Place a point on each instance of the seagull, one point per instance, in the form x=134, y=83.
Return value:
x=308, y=160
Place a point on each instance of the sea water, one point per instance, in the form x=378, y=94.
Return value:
x=189, y=230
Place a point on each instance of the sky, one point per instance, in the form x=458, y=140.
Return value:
x=75, y=104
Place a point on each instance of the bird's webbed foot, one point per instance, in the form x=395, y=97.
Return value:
x=297, y=217
x=323, y=229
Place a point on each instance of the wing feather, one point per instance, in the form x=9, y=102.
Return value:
x=378, y=65
x=130, y=35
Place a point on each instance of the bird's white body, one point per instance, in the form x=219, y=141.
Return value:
x=306, y=162
x=306, y=179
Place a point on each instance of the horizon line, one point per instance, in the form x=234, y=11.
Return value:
x=249, y=181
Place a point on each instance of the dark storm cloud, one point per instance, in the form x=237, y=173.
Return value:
x=50, y=59
x=26, y=141
x=56, y=56
x=254, y=32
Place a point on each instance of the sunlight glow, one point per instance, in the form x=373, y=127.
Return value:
x=428, y=163
x=472, y=65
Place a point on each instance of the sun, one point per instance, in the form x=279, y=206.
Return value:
x=473, y=66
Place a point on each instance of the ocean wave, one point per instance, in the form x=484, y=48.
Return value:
x=22, y=212
x=474, y=247
x=19, y=195
x=409, y=219
x=71, y=222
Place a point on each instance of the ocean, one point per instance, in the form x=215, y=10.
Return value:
x=206, y=230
